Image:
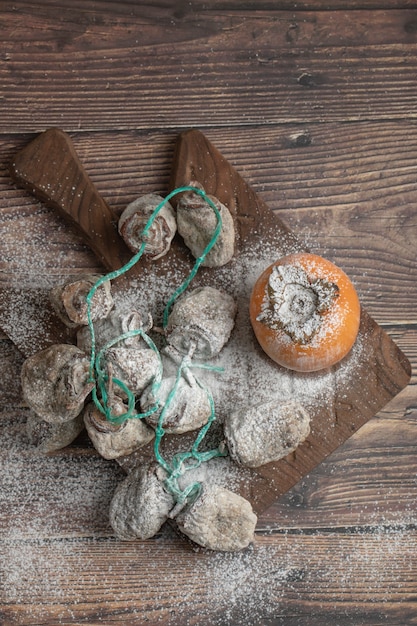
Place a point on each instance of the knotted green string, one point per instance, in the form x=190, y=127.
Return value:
x=181, y=461
x=102, y=380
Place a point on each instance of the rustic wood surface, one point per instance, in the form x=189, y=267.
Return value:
x=50, y=169
x=314, y=104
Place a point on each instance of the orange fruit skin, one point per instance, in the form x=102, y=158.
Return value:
x=337, y=332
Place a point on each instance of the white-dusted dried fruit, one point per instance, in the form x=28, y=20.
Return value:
x=116, y=324
x=266, y=432
x=70, y=304
x=48, y=437
x=201, y=321
x=136, y=367
x=55, y=382
x=218, y=520
x=134, y=218
x=188, y=410
x=115, y=440
x=197, y=223
x=140, y=505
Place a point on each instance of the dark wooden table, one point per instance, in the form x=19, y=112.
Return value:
x=315, y=104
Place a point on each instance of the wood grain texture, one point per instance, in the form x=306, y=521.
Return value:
x=366, y=482
x=375, y=378
x=89, y=582
x=113, y=67
x=50, y=169
x=345, y=189
x=331, y=184
x=314, y=104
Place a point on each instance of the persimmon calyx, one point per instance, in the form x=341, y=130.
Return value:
x=294, y=303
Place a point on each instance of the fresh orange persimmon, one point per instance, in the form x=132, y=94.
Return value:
x=305, y=312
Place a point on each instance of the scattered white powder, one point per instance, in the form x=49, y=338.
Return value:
x=249, y=377
x=34, y=263
x=48, y=501
x=42, y=499
x=264, y=584
x=44, y=247
x=236, y=588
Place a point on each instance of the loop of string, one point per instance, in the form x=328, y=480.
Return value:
x=102, y=380
x=182, y=461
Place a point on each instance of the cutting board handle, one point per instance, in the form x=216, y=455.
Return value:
x=50, y=169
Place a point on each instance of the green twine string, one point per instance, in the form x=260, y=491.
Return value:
x=199, y=259
x=176, y=468
x=181, y=461
x=102, y=380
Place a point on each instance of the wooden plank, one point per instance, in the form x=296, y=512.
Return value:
x=324, y=66
x=58, y=178
x=345, y=189
x=369, y=481
x=110, y=25
x=348, y=190
x=177, y=12
x=292, y=579
x=11, y=361
x=377, y=374
x=300, y=161
x=63, y=494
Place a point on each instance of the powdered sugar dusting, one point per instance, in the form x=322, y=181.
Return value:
x=43, y=498
x=52, y=498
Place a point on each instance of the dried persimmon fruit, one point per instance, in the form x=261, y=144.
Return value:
x=305, y=312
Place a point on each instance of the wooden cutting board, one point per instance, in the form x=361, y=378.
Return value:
x=340, y=400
